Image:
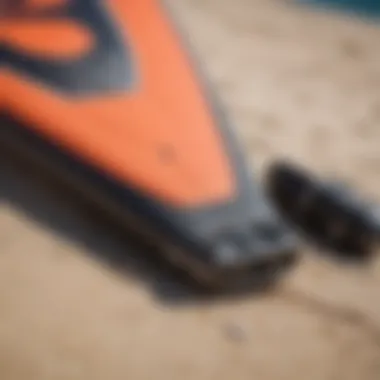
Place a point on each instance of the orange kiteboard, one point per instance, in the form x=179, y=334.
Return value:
x=106, y=92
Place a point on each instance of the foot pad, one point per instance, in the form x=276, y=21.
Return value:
x=328, y=213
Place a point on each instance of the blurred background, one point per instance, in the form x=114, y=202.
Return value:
x=370, y=8
x=299, y=79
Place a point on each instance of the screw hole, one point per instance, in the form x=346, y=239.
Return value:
x=167, y=154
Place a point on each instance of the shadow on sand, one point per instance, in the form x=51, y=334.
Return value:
x=57, y=208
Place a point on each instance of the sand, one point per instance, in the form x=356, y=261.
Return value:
x=297, y=84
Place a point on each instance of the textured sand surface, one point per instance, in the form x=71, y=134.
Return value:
x=296, y=83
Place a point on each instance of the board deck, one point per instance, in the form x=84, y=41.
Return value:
x=122, y=109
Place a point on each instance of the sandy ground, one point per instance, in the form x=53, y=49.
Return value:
x=296, y=83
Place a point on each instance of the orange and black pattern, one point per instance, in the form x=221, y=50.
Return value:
x=69, y=45
x=108, y=81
